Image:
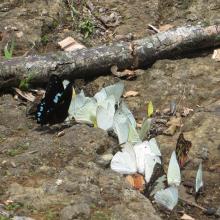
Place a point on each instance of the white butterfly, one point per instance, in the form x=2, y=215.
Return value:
x=121, y=128
x=133, y=135
x=124, y=125
x=143, y=155
x=105, y=113
x=83, y=109
x=116, y=90
x=143, y=158
x=199, y=181
x=173, y=174
x=167, y=197
x=124, y=161
x=150, y=162
x=154, y=147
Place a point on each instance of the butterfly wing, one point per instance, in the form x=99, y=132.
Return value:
x=53, y=108
x=54, y=91
x=115, y=90
x=173, y=174
x=124, y=161
x=59, y=112
x=167, y=197
x=199, y=181
x=154, y=147
x=41, y=112
x=141, y=151
x=150, y=162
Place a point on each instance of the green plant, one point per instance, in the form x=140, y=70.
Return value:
x=4, y=217
x=50, y=215
x=14, y=206
x=44, y=39
x=25, y=83
x=86, y=27
x=8, y=50
x=99, y=215
x=19, y=150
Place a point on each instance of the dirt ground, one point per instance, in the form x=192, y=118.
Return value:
x=49, y=177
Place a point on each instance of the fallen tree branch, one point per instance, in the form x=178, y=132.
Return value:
x=98, y=61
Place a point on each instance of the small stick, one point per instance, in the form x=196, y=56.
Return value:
x=150, y=26
x=193, y=204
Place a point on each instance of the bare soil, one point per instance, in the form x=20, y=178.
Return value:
x=32, y=159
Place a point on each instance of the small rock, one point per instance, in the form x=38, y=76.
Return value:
x=13, y=164
x=78, y=211
x=205, y=154
x=21, y=218
x=104, y=160
x=59, y=182
x=210, y=211
x=218, y=212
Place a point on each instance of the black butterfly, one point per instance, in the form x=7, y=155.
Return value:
x=53, y=108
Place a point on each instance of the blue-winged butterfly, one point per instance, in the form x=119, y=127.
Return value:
x=53, y=108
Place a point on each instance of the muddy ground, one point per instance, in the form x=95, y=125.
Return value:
x=49, y=177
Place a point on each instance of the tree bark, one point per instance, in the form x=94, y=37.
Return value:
x=97, y=61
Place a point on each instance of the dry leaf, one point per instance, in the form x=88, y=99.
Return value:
x=136, y=181
x=186, y=111
x=216, y=55
x=125, y=73
x=130, y=93
x=69, y=44
x=60, y=134
x=165, y=27
x=114, y=70
x=26, y=95
x=215, y=167
x=8, y=202
x=173, y=123
x=166, y=110
x=19, y=34
x=182, y=150
x=187, y=217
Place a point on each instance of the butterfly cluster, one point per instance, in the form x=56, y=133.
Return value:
x=53, y=108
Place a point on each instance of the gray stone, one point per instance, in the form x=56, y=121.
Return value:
x=78, y=211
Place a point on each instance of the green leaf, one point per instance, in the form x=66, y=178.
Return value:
x=150, y=109
x=9, y=51
x=145, y=128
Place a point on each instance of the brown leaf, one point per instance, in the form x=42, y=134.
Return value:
x=60, y=134
x=182, y=149
x=130, y=93
x=186, y=111
x=129, y=74
x=216, y=55
x=26, y=95
x=187, y=217
x=69, y=44
x=173, y=123
x=136, y=181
